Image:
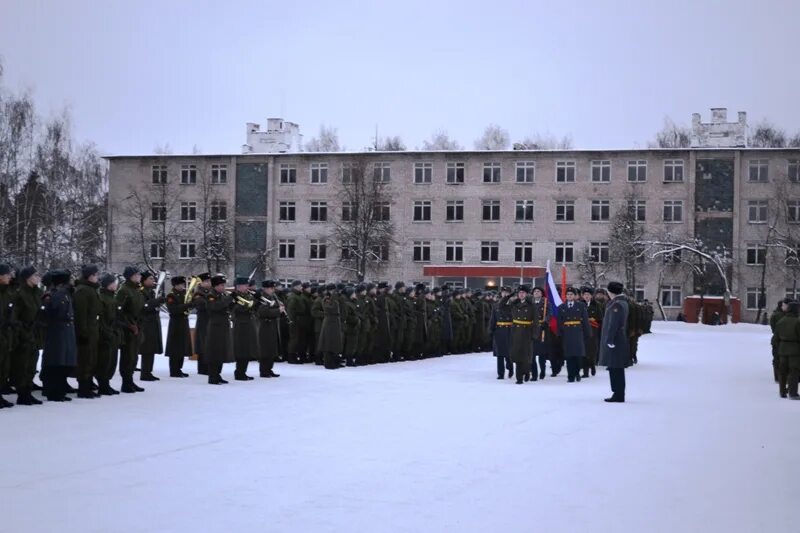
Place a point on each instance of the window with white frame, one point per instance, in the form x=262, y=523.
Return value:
x=422, y=251
x=526, y=171
x=349, y=250
x=219, y=174
x=319, y=173
x=349, y=211
x=793, y=293
x=601, y=210
x=219, y=211
x=286, y=249
x=288, y=173
x=757, y=211
x=756, y=254
x=490, y=251
x=565, y=211
x=490, y=210
x=673, y=210
x=422, y=210
x=188, y=174
x=793, y=170
x=382, y=172
x=157, y=250
x=284, y=282
x=565, y=252
x=523, y=251
x=348, y=170
x=319, y=211
x=454, y=251
x=381, y=211
x=598, y=251
x=158, y=212
x=188, y=249
x=758, y=170
x=188, y=211
x=454, y=211
x=638, y=210
x=754, y=296
x=565, y=171
x=455, y=173
x=379, y=252
x=491, y=172
x=159, y=174
x=638, y=293
x=423, y=173
x=637, y=170
x=601, y=171
x=673, y=170
x=671, y=296
x=286, y=211
x=318, y=249
x=793, y=211
x=524, y=211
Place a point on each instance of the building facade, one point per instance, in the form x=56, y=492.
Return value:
x=461, y=210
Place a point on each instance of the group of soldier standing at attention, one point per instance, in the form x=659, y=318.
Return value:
x=100, y=324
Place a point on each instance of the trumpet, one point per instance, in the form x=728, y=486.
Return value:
x=244, y=301
x=193, y=284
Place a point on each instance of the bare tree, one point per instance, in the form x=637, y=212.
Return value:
x=794, y=142
x=767, y=135
x=440, y=140
x=672, y=135
x=391, y=144
x=214, y=225
x=494, y=138
x=540, y=141
x=364, y=232
x=162, y=149
x=625, y=235
x=592, y=271
x=326, y=141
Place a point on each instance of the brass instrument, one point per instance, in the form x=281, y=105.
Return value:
x=244, y=301
x=193, y=284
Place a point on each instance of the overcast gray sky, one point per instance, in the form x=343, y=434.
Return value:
x=138, y=74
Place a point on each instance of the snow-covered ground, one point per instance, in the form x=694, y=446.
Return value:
x=703, y=444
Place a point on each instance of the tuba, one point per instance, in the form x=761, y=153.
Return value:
x=193, y=283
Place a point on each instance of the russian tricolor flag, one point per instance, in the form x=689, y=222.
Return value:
x=553, y=299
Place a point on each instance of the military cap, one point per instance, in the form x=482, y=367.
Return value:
x=5, y=269
x=88, y=271
x=523, y=288
x=218, y=280
x=296, y=283
x=146, y=274
x=178, y=280
x=615, y=287
x=107, y=280
x=370, y=286
x=205, y=276
x=572, y=290
x=129, y=272
x=399, y=285
x=383, y=285
x=268, y=284
x=420, y=287
x=306, y=285
x=330, y=287
x=241, y=280
x=584, y=290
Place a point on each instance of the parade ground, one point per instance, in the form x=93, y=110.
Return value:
x=703, y=443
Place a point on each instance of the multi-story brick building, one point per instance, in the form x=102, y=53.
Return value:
x=464, y=209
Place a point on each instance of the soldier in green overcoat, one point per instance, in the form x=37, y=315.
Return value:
x=131, y=302
x=788, y=332
x=86, y=301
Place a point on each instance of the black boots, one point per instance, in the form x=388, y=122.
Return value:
x=148, y=377
x=269, y=374
x=24, y=397
x=105, y=389
x=5, y=403
x=85, y=390
x=128, y=386
x=615, y=399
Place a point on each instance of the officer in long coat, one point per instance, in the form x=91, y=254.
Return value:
x=110, y=335
x=59, y=356
x=268, y=313
x=331, y=341
x=433, y=317
x=86, y=300
x=317, y=315
x=381, y=346
x=351, y=324
x=779, y=313
x=6, y=330
x=544, y=340
x=179, y=340
x=524, y=328
x=299, y=332
x=245, y=337
x=788, y=333
x=131, y=302
x=573, y=329
x=500, y=325
x=366, y=299
x=152, y=342
x=199, y=296
x=28, y=341
x=595, y=314
x=447, y=329
x=218, y=344
x=614, y=351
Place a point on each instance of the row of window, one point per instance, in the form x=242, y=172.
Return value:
x=219, y=174
x=422, y=211
x=455, y=172
x=757, y=211
x=187, y=249
x=756, y=254
x=218, y=211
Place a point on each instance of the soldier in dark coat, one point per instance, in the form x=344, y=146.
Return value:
x=152, y=342
x=299, y=331
x=411, y=341
x=131, y=302
x=268, y=312
x=110, y=335
x=397, y=308
x=6, y=330
x=59, y=356
x=382, y=339
x=595, y=313
x=433, y=317
x=351, y=324
x=199, y=296
x=245, y=337
x=447, y=321
x=369, y=321
x=788, y=333
x=25, y=317
x=87, y=328
x=543, y=341
x=179, y=339
x=524, y=329
x=779, y=313
x=317, y=315
x=331, y=342
x=500, y=325
x=614, y=351
x=218, y=346
x=574, y=330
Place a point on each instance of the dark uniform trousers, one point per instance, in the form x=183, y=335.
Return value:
x=617, y=378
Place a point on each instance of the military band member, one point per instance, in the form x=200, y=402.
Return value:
x=299, y=333
x=245, y=339
x=218, y=332
x=269, y=312
x=152, y=342
x=199, y=296
x=179, y=340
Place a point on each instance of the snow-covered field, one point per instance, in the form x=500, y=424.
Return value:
x=703, y=444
